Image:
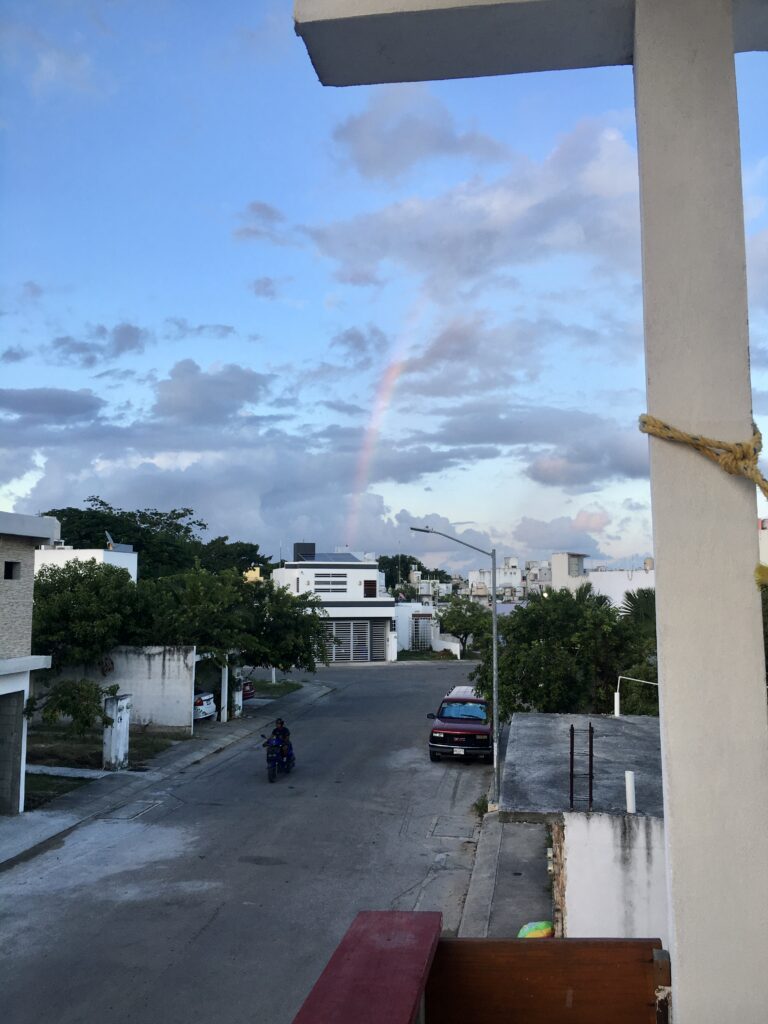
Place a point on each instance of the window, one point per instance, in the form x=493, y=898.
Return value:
x=369, y=588
x=12, y=571
x=330, y=582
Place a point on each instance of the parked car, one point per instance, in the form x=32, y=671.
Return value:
x=249, y=690
x=204, y=706
x=462, y=726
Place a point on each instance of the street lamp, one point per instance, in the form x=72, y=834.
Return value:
x=496, y=791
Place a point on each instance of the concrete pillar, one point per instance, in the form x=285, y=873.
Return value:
x=116, y=736
x=714, y=726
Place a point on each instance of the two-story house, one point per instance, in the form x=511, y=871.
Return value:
x=19, y=536
x=361, y=614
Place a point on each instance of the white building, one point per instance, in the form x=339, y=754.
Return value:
x=568, y=572
x=120, y=555
x=19, y=536
x=429, y=588
x=361, y=614
x=509, y=581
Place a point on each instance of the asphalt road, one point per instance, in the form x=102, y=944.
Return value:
x=220, y=897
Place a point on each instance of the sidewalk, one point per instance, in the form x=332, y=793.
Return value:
x=25, y=835
x=510, y=885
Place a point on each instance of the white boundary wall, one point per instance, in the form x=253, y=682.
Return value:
x=615, y=877
x=161, y=681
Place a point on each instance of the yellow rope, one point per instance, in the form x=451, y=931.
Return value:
x=738, y=459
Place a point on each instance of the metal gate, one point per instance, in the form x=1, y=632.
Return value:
x=357, y=640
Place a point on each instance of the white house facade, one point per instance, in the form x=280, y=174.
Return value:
x=360, y=612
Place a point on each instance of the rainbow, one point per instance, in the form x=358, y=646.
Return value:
x=381, y=403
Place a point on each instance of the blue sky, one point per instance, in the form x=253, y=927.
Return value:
x=323, y=314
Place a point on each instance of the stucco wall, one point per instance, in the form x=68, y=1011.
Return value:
x=162, y=682
x=16, y=596
x=615, y=877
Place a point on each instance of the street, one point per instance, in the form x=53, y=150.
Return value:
x=221, y=897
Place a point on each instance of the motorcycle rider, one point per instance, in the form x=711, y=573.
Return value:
x=282, y=733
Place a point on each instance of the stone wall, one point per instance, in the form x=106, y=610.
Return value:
x=16, y=595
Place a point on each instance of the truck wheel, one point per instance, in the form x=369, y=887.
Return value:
x=433, y=756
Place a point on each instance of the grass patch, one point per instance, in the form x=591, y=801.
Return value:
x=39, y=789
x=58, y=745
x=480, y=806
x=264, y=688
x=425, y=656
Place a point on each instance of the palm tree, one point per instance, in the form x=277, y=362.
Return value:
x=639, y=606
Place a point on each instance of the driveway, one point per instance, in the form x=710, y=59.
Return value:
x=218, y=896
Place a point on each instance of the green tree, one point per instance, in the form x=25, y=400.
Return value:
x=81, y=611
x=221, y=553
x=166, y=542
x=284, y=630
x=560, y=652
x=193, y=608
x=397, y=567
x=639, y=611
x=464, y=618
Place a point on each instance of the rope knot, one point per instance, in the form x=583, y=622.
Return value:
x=739, y=458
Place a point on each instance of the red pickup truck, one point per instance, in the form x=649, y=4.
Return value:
x=461, y=726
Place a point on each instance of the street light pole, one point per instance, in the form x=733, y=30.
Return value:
x=496, y=789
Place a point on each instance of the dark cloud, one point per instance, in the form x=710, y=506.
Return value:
x=14, y=354
x=262, y=221
x=193, y=395
x=51, y=404
x=100, y=344
x=31, y=291
x=179, y=327
x=264, y=287
x=345, y=408
x=585, y=463
x=359, y=346
x=403, y=126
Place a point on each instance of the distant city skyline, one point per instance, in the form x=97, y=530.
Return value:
x=327, y=314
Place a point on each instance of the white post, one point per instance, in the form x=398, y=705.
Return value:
x=273, y=677
x=629, y=784
x=617, y=704
x=224, y=709
x=711, y=667
x=116, y=737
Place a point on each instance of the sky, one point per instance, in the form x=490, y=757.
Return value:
x=327, y=315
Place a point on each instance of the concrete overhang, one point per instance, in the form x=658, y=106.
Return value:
x=45, y=529
x=366, y=42
x=13, y=666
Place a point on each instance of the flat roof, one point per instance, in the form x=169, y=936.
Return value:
x=364, y=42
x=40, y=528
x=535, y=781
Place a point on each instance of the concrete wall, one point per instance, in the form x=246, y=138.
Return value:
x=16, y=596
x=161, y=681
x=615, y=877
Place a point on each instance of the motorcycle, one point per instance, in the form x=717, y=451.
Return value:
x=278, y=758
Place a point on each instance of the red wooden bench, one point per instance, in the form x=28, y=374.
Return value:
x=393, y=968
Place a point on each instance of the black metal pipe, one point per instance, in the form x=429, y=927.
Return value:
x=571, y=764
x=591, y=762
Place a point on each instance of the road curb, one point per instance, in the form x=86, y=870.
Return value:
x=476, y=916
